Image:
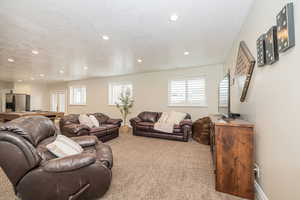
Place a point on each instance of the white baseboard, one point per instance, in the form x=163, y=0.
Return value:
x=260, y=195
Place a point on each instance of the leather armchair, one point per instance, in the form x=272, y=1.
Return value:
x=109, y=128
x=36, y=174
x=143, y=125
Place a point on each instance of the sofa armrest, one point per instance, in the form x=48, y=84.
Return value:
x=114, y=121
x=186, y=122
x=186, y=127
x=86, y=141
x=77, y=129
x=69, y=163
x=134, y=121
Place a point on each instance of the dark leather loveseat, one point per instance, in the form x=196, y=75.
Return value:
x=143, y=125
x=109, y=128
x=36, y=174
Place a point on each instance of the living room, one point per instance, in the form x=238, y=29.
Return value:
x=221, y=75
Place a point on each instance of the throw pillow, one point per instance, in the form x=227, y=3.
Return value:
x=84, y=119
x=94, y=121
x=64, y=146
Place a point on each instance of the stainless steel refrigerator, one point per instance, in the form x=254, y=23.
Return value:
x=17, y=102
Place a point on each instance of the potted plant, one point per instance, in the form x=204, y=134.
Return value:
x=124, y=105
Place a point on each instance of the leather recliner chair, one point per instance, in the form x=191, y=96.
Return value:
x=143, y=125
x=36, y=174
x=108, y=129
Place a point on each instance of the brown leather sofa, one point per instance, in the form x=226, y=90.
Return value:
x=143, y=125
x=109, y=128
x=36, y=174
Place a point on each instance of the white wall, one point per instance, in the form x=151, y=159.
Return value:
x=150, y=91
x=273, y=104
x=39, y=94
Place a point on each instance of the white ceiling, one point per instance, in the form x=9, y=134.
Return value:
x=68, y=35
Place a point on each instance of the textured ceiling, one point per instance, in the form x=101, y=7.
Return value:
x=68, y=35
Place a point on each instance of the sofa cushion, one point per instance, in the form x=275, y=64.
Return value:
x=98, y=129
x=148, y=116
x=102, y=118
x=110, y=126
x=70, y=119
x=42, y=150
x=145, y=126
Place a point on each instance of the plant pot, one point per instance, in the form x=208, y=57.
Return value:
x=125, y=129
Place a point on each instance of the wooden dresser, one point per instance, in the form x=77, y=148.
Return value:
x=232, y=152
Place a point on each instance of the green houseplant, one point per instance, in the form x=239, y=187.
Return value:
x=124, y=105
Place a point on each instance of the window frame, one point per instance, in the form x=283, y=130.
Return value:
x=71, y=91
x=186, y=104
x=110, y=90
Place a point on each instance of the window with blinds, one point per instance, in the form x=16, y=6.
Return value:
x=224, y=92
x=188, y=92
x=78, y=95
x=116, y=90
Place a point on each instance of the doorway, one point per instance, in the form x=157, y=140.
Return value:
x=58, y=101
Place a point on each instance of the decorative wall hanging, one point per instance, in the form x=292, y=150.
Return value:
x=244, y=69
x=271, y=46
x=261, y=50
x=286, y=28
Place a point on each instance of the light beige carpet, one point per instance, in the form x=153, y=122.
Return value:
x=154, y=169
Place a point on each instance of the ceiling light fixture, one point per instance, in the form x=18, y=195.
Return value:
x=174, y=17
x=35, y=52
x=186, y=53
x=42, y=75
x=105, y=37
x=61, y=71
x=85, y=68
x=139, y=60
x=20, y=80
x=10, y=60
x=32, y=78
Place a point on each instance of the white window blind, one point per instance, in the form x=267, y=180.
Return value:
x=223, y=93
x=115, y=91
x=78, y=95
x=189, y=92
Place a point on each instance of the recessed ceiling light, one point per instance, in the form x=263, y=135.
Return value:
x=35, y=52
x=42, y=75
x=105, y=37
x=85, y=68
x=186, y=53
x=20, y=80
x=61, y=71
x=174, y=17
x=139, y=60
x=10, y=60
x=32, y=79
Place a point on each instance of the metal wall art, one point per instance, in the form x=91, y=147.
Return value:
x=271, y=46
x=261, y=50
x=244, y=69
x=278, y=39
x=286, y=28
